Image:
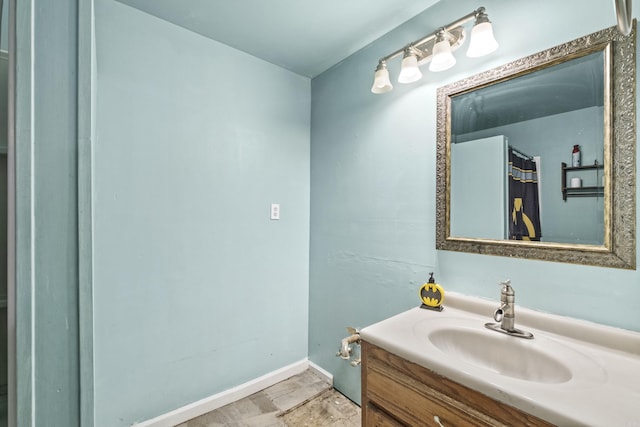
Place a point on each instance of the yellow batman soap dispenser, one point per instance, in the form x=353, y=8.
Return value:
x=432, y=295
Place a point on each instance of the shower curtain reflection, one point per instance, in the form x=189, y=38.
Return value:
x=524, y=206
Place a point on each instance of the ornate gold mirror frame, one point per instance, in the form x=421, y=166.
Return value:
x=619, y=248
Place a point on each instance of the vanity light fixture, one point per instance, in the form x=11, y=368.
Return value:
x=437, y=49
x=409, y=71
x=442, y=58
x=381, y=82
x=482, y=41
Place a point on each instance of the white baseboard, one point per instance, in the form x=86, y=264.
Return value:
x=208, y=404
x=324, y=374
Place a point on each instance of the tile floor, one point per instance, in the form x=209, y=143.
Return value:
x=302, y=400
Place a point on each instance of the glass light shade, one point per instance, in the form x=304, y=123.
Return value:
x=442, y=58
x=482, y=41
x=381, y=82
x=409, y=71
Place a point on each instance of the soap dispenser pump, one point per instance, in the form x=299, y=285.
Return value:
x=432, y=295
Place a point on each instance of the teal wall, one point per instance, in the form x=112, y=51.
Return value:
x=46, y=212
x=195, y=289
x=373, y=190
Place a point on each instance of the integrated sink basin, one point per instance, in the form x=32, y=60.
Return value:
x=501, y=354
x=465, y=344
x=555, y=376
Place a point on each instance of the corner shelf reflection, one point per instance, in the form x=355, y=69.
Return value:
x=580, y=191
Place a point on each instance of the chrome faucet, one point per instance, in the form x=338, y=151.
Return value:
x=505, y=315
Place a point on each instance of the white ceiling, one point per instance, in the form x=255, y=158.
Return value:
x=304, y=36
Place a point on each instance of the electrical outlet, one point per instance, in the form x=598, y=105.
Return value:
x=275, y=210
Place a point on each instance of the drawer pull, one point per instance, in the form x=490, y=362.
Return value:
x=437, y=420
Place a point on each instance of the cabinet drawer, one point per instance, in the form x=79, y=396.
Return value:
x=414, y=403
x=413, y=395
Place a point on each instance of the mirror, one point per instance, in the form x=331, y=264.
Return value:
x=541, y=117
x=507, y=143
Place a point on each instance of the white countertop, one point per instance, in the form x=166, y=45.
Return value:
x=604, y=389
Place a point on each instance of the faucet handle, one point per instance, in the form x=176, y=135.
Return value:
x=506, y=287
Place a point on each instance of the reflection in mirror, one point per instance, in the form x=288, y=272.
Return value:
x=508, y=140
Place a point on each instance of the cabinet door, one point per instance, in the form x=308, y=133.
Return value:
x=378, y=418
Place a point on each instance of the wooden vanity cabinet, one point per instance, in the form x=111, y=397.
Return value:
x=396, y=392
